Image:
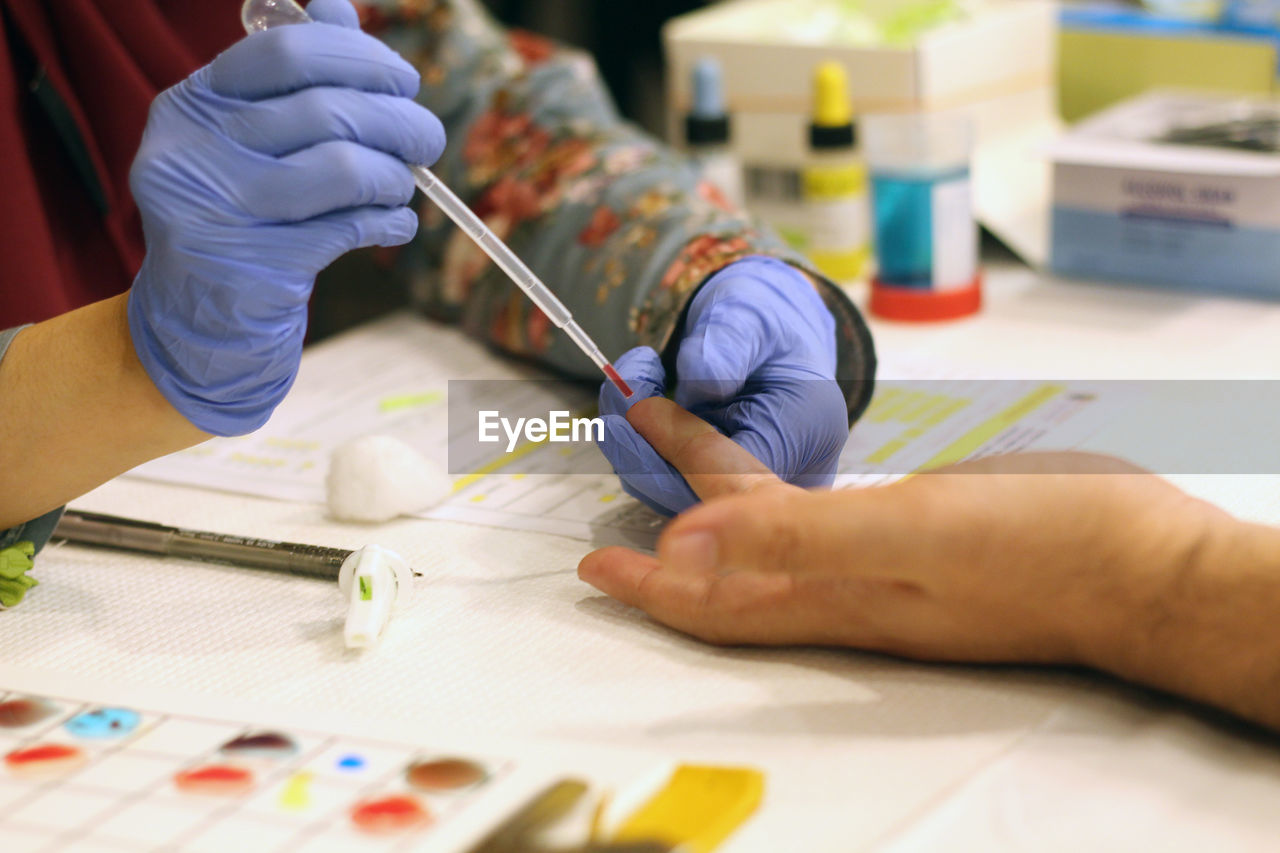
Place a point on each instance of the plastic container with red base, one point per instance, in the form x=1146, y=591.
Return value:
x=926, y=239
x=917, y=304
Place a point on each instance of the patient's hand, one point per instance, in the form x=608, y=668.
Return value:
x=1046, y=558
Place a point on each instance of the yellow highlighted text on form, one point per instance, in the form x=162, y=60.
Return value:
x=507, y=458
x=889, y=448
x=408, y=401
x=966, y=444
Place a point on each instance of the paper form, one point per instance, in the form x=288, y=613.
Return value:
x=392, y=377
x=925, y=418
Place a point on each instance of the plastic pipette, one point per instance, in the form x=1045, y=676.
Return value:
x=263, y=14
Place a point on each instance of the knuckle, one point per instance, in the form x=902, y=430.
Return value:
x=706, y=620
x=357, y=231
x=241, y=126
x=782, y=547
x=779, y=543
x=317, y=102
x=258, y=200
x=284, y=48
x=345, y=165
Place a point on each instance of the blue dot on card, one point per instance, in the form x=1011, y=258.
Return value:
x=351, y=763
x=103, y=723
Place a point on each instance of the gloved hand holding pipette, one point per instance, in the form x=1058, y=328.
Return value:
x=757, y=361
x=294, y=145
x=254, y=174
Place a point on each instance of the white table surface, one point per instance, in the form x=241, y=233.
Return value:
x=862, y=752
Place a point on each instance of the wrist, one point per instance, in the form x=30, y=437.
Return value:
x=134, y=383
x=85, y=410
x=1224, y=647
x=1202, y=624
x=219, y=370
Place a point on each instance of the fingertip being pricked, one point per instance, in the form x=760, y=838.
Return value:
x=640, y=370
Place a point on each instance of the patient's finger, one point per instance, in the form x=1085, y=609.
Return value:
x=741, y=607
x=712, y=464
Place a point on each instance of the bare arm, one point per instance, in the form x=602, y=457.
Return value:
x=1214, y=634
x=76, y=409
x=1031, y=558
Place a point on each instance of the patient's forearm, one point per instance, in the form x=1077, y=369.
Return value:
x=76, y=409
x=1214, y=633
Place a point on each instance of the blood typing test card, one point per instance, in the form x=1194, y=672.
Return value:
x=90, y=774
x=392, y=376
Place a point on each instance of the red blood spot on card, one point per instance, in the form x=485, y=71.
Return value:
x=223, y=780
x=46, y=759
x=390, y=814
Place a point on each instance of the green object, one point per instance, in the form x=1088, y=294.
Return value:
x=15, y=561
x=366, y=589
x=906, y=25
x=1098, y=68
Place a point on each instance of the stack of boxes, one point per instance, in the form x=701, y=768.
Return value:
x=993, y=62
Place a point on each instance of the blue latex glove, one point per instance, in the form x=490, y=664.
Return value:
x=254, y=174
x=757, y=360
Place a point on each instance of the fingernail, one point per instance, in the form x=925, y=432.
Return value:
x=695, y=551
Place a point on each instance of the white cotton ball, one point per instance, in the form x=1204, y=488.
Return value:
x=377, y=477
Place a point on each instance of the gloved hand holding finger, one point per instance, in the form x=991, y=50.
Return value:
x=755, y=314
x=254, y=174
x=645, y=475
x=797, y=428
x=757, y=361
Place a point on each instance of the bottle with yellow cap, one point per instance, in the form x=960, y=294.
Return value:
x=834, y=182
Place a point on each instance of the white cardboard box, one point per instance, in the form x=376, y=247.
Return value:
x=1127, y=207
x=999, y=67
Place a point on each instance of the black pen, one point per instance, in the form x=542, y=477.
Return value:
x=308, y=561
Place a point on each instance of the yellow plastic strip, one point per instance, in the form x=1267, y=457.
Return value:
x=698, y=808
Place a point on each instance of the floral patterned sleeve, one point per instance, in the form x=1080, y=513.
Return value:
x=616, y=223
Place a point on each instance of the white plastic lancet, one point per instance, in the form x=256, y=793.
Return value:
x=374, y=580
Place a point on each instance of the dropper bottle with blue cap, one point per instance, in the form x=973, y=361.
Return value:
x=707, y=132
